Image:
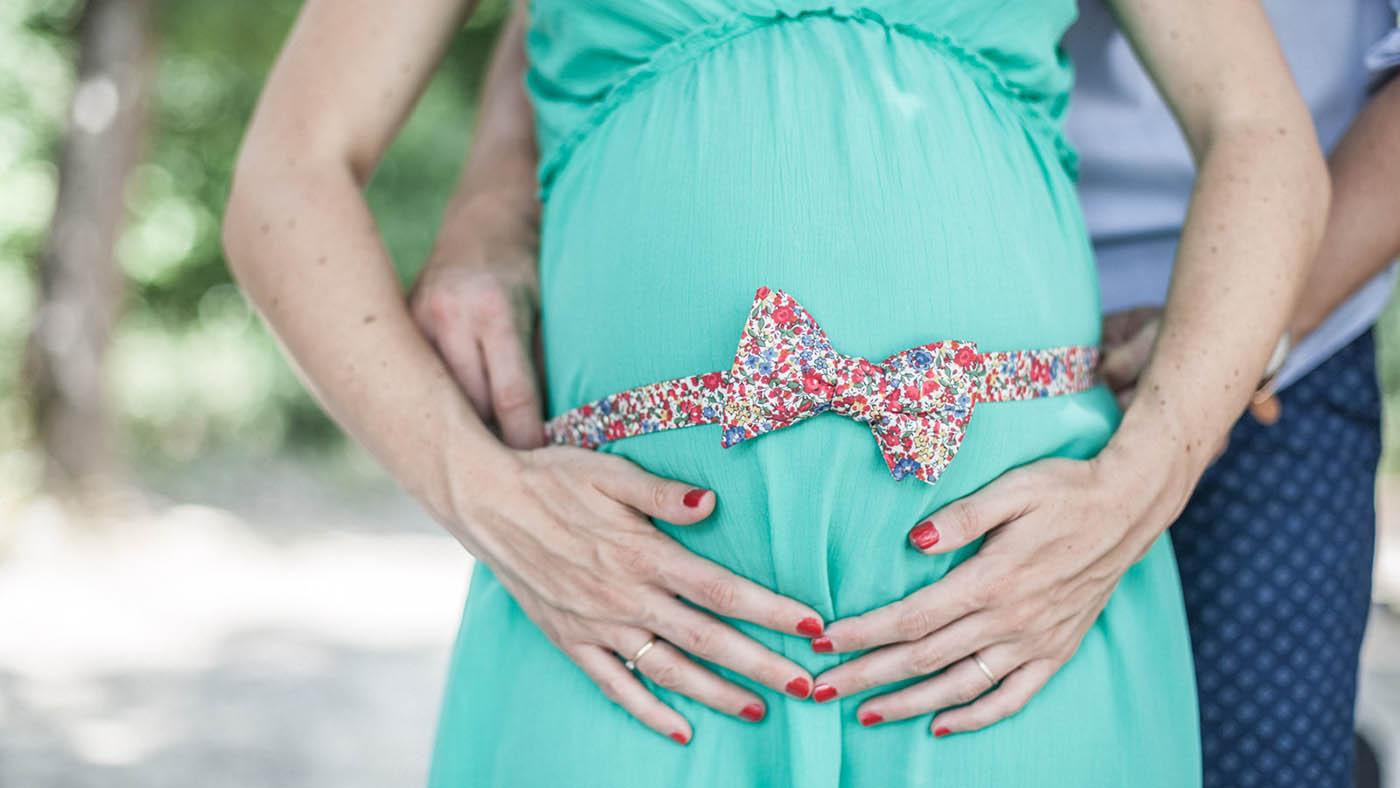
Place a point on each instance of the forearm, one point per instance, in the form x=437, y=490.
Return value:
x=304, y=247
x=1254, y=223
x=495, y=201
x=1363, y=229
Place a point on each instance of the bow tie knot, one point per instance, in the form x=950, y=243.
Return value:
x=917, y=402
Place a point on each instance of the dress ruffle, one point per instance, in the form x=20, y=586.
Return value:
x=1030, y=104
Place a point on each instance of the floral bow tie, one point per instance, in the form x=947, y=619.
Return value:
x=917, y=402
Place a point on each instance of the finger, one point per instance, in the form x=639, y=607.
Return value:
x=717, y=642
x=1123, y=364
x=967, y=519
x=1125, y=397
x=437, y=309
x=1120, y=327
x=627, y=691
x=463, y=357
x=668, y=667
x=1008, y=698
x=902, y=661
x=930, y=608
x=727, y=594
x=961, y=683
x=515, y=393
x=665, y=499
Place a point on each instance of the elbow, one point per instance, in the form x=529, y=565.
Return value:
x=269, y=179
x=234, y=226
x=246, y=209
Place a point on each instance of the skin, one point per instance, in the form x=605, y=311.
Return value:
x=566, y=530
x=1362, y=238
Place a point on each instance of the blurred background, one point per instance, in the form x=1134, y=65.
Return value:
x=202, y=581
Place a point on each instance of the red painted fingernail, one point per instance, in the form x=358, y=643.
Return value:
x=692, y=498
x=798, y=687
x=823, y=693
x=811, y=627
x=940, y=732
x=870, y=718
x=924, y=535
x=821, y=645
x=679, y=737
x=752, y=712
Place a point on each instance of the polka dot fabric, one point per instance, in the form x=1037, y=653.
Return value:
x=1275, y=551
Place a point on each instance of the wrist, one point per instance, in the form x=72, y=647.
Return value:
x=471, y=463
x=1155, y=462
x=509, y=213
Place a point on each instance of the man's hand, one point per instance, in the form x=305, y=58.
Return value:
x=1128, y=337
x=477, y=299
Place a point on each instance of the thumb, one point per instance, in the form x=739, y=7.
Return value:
x=656, y=496
x=967, y=519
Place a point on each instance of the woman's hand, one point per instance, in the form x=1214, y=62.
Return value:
x=1059, y=534
x=566, y=531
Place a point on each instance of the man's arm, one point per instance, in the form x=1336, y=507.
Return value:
x=1361, y=238
x=477, y=297
x=1363, y=230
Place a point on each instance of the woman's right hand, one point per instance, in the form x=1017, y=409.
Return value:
x=567, y=532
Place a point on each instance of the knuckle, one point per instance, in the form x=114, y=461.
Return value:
x=988, y=592
x=489, y=305
x=967, y=692
x=635, y=558
x=659, y=494
x=665, y=674
x=1019, y=618
x=963, y=519
x=922, y=661
x=439, y=308
x=612, y=686
x=718, y=594
x=913, y=623
x=613, y=603
x=701, y=640
x=514, y=394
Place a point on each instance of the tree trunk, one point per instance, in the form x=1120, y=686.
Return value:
x=81, y=286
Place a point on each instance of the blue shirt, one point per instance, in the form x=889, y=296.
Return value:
x=1136, y=171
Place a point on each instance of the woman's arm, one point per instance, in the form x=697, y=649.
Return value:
x=477, y=297
x=1254, y=224
x=1060, y=533
x=1362, y=238
x=565, y=530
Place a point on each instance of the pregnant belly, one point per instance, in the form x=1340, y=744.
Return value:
x=882, y=186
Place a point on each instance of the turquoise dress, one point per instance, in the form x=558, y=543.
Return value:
x=899, y=169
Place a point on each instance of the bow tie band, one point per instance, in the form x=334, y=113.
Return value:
x=917, y=402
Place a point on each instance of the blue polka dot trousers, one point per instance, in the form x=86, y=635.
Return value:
x=1275, y=550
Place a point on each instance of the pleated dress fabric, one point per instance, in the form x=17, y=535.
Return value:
x=898, y=168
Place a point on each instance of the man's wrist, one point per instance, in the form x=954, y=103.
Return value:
x=496, y=227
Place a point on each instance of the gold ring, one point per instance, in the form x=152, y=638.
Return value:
x=631, y=664
x=986, y=671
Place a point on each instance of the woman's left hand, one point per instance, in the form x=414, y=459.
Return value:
x=1059, y=534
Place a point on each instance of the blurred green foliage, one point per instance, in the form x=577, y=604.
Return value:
x=191, y=369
